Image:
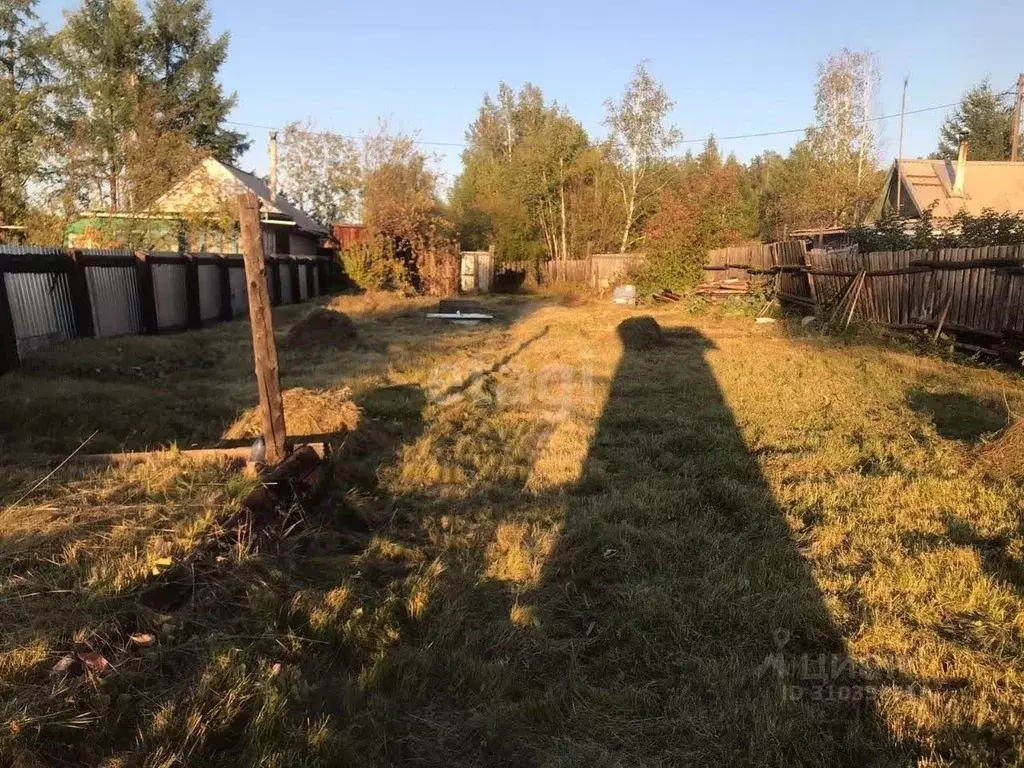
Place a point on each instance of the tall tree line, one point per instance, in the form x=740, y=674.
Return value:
x=111, y=108
x=535, y=185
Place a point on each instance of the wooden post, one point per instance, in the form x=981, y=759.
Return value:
x=293, y=267
x=9, y=359
x=264, y=350
x=147, y=294
x=194, y=311
x=275, y=281
x=81, y=302
x=310, y=280
x=321, y=266
x=224, y=273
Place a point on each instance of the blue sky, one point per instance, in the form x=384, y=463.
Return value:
x=731, y=67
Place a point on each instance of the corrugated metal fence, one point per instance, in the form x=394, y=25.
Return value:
x=52, y=294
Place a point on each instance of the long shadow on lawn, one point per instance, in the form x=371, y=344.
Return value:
x=694, y=627
x=674, y=623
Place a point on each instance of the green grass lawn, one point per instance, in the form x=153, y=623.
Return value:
x=742, y=547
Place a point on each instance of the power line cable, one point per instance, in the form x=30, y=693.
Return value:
x=758, y=135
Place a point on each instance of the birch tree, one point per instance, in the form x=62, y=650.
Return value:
x=320, y=172
x=638, y=142
x=843, y=141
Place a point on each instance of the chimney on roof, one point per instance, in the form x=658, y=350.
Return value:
x=273, y=167
x=961, y=170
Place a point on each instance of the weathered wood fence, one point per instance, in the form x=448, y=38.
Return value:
x=52, y=294
x=601, y=270
x=978, y=291
x=968, y=290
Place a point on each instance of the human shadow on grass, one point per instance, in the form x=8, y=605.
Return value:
x=958, y=416
x=673, y=622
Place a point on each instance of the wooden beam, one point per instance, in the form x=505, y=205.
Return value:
x=293, y=268
x=195, y=454
x=276, y=299
x=147, y=294
x=224, y=284
x=310, y=280
x=193, y=308
x=81, y=301
x=9, y=359
x=260, y=317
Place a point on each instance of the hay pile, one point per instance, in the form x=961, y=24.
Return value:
x=638, y=333
x=306, y=412
x=322, y=328
x=1005, y=454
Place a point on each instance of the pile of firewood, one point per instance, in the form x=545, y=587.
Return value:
x=667, y=296
x=731, y=287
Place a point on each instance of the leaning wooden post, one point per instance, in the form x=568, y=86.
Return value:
x=264, y=351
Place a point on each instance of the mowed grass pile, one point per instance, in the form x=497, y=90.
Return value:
x=540, y=548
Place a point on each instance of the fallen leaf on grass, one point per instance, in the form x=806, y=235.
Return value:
x=63, y=666
x=144, y=639
x=93, y=661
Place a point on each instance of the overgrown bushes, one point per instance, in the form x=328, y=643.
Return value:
x=413, y=248
x=382, y=264
x=891, y=233
x=373, y=266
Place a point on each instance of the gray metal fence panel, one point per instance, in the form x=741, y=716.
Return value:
x=209, y=292
x=303, y=283
x=41, y=309
x=115, y=300
x=316, y=282
x=169, y=290
x=286, y=283
x=239, y=293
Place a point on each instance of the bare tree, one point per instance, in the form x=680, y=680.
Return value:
x=639, y=139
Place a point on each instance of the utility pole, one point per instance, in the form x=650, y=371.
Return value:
x=1015, y=136
x=899, y=152
x=273, y=167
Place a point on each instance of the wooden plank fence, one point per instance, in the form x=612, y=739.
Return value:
x=967, y=290
x=977, y=291
x=53, y=294
x=600, y=270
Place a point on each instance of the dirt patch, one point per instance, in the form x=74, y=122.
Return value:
x=323, y=328
x=641, y=332
x=306, y=412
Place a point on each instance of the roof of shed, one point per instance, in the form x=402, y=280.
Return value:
x=987, y=184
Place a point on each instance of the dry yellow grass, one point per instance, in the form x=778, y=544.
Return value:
x=740, y=547
x=310, y=412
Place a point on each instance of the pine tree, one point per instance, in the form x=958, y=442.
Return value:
x=184, y=62
x=983, y=118
x=24, y=117
x=101, y=59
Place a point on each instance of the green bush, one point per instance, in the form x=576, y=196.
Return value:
x=373, y=265
x=961, y=231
